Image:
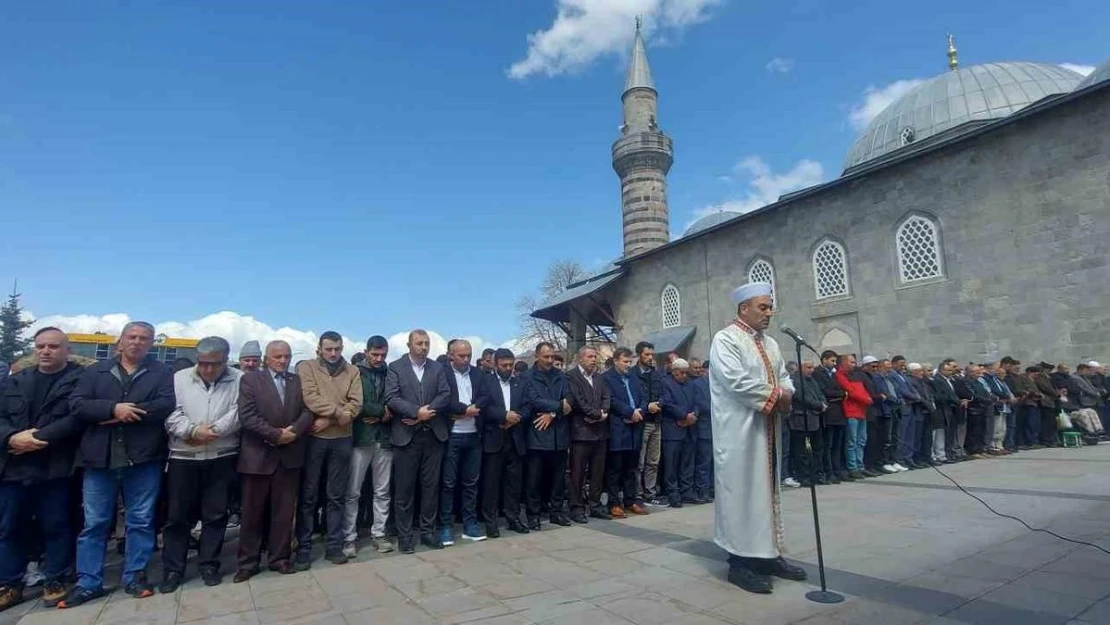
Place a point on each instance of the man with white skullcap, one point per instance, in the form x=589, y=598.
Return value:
x=750, y=391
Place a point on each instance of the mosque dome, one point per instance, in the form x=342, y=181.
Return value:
x=1101, y=74
x=710, y=220
x=975, y=93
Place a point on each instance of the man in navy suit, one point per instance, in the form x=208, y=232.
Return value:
x=547, y=431
x=679, y=434
x=703, y=446
x=503, y=445
x=463, y=462
x=628, y=405
x=417, y=394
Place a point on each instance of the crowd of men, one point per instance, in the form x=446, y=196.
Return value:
x=884, y=416
x=178, y=450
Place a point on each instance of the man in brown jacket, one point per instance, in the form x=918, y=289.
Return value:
x=589, y=435
x=274, y=420
x=333, y=393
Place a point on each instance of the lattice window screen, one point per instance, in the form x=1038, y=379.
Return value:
x=762, y=271
x=672, y=307
x=830, y=270
x=918, y=250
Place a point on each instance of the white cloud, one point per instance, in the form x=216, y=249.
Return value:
x=238, y=329
x=764, y=186
x=1083, y=70
x=875, y=99
x=779, y=65
x=584, y=30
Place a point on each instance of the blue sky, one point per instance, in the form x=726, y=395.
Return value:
x=370, y=167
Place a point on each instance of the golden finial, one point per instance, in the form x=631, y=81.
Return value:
x=952, y=62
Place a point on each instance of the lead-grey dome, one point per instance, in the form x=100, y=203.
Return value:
x=975, y=93
x=1101, y=73
x=710, y=220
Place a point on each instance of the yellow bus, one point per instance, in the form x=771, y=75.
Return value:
x=102, y=346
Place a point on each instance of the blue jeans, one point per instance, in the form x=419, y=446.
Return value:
x=462, y=464
x=855, y=441
x=140, y=484
x=910, y=435
x=49, y=503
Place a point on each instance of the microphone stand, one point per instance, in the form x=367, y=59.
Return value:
x=824, y=595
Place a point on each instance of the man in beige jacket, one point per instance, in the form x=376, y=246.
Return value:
x=333, y=393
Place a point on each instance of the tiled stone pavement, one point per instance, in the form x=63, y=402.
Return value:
x=905, y=549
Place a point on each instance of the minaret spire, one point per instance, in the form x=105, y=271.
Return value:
x=953, y=63
x=642, y=157
x=639, y=73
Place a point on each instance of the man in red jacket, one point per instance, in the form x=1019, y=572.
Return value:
x=855, y=410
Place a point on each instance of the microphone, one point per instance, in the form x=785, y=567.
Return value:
x=798, y=338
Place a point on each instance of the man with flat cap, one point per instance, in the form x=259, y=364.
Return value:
x=750, y=390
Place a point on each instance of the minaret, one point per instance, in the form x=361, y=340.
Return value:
x=642, y=156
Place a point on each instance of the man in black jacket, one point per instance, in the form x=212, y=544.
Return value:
x=124, y=402
x=805, y=423
x=503, y=445
x=547, y=429
x=589, y=435
x=832, y=456
x=651, y=448
x=416, y=392
x=39, y=437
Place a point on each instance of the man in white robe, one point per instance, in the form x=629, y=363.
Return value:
x=750, y=391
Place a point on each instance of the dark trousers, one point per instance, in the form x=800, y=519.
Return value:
x=873, y=448
x=332, y=455
x=418, y=464
x=197, y=490
x=1009, y=440
x=587, y=456
x=48, y=502
x=678, y=469
x=1030, y=425
x=540, y=463
x=1048, y=426
x=703, y=467
x=885, y=429
x=806, y=463
x=909, y=436
x=269, y=505
x=976, y=426
x=502, y=475
x=620, y=477
x=833, y=450
x=462, y=465
x=924, y=430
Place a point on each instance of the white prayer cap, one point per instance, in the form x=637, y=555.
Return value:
x=913, y=366
x=1093, y=363
x=867, y=360
x=753, y=289
x=680, y=363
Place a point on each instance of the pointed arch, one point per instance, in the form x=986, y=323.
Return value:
x=670, y=303
x=830, y=270
x=918, y=248
x=761, y=270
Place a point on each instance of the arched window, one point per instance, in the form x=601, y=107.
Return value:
x=830, y=270
x=672, y=307
x=762, y=271
x=918, y=243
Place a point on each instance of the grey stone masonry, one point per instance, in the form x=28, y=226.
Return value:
x=1022, y=212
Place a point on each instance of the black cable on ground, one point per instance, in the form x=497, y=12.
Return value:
x=1014, y=518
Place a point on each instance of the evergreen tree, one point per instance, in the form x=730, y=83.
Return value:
x=12, y=342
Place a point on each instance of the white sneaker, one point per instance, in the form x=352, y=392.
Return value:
x=899, y=467
x=33, y=577
x=350, y=549
x=889, y=468
x=791, y=483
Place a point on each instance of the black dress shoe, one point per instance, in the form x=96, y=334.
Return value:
x=492, y=531
x=560, y=518
x=431, y=542
x=406, y=546
x=781, y=568
x=518, y=527
x=533, y=525
x=170, y=583
x=579, y=518
x=303, y=562
x=676, y=504
x=600, y=513
x=749, y=580
x=211, y=577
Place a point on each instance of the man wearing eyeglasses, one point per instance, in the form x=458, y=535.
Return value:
x=204, y=448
